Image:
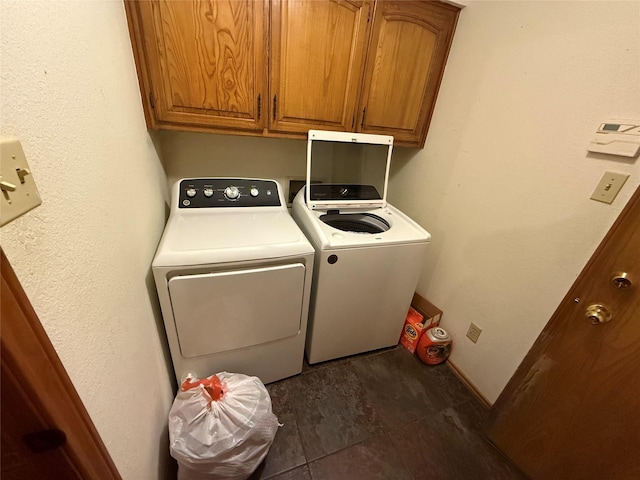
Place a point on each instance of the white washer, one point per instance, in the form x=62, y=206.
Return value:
x=369, y=256
x=233, y=273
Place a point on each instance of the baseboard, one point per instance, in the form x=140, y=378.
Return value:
x=472, y=388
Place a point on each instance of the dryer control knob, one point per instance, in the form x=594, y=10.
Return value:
x=191, y=192
x=254, y=192
x=208, y=192
x=231, y=193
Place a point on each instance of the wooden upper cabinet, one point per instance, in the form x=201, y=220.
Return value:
x=317, y=58
x=283, y=67
x=201, y=63
x=405, y=62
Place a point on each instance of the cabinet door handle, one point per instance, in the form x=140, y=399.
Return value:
x=275, y=99
x=259, y=105
x=364, y=112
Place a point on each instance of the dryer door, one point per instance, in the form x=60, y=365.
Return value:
x=222, y=311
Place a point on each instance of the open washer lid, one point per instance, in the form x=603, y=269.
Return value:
x=347, y=170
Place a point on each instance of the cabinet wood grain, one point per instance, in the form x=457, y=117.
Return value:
x=405, y=63
x=317, y=52
x=282, y=67
x=205, y=61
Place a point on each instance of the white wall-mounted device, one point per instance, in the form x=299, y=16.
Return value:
x=617, y=138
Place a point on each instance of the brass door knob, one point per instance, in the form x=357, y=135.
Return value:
x=621, y=280
x=597, y=313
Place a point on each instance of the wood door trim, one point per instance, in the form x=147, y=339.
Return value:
x=506, y=397
x=132, y=12
x=29, y=354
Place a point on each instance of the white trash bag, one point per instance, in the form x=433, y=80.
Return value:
x=221, y=427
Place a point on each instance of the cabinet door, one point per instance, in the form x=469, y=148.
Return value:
x=204, y=60
x=405, y=63
x=317, y=61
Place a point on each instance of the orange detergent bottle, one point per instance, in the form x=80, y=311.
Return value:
x=434, y=346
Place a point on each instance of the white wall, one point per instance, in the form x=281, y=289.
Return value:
x=70, y=93
x=503, y=186
x=504, y=181
x=203, y=155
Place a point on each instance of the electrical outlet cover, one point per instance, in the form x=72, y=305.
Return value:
x=19, y=192
x=609, y=186
x=474, y=332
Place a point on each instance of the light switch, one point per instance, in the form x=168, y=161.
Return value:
x=609, y=186
x=19, y=192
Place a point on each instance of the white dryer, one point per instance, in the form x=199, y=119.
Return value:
x=369, y=255
x=233, y=273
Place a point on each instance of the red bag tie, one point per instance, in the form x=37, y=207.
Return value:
x=212, y=385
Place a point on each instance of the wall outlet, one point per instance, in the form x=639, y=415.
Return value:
x=474, y=332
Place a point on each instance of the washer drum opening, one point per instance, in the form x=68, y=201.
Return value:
x=356, y=222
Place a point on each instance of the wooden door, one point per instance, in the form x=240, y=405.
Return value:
x=317, y=55
x=46, y=431
x=404, y=67
x=572, y=409
x=202, y=62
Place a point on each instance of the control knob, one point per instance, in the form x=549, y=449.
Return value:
x=191, y=192
x=254, y=192
x=232, y=193
x=208, y=192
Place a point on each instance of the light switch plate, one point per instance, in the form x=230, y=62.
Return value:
x=609, y=186
x=19, y=192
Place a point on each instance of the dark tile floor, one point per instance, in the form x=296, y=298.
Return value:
x=382, y=415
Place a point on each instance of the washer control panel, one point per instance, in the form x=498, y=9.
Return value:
x=228, y=192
